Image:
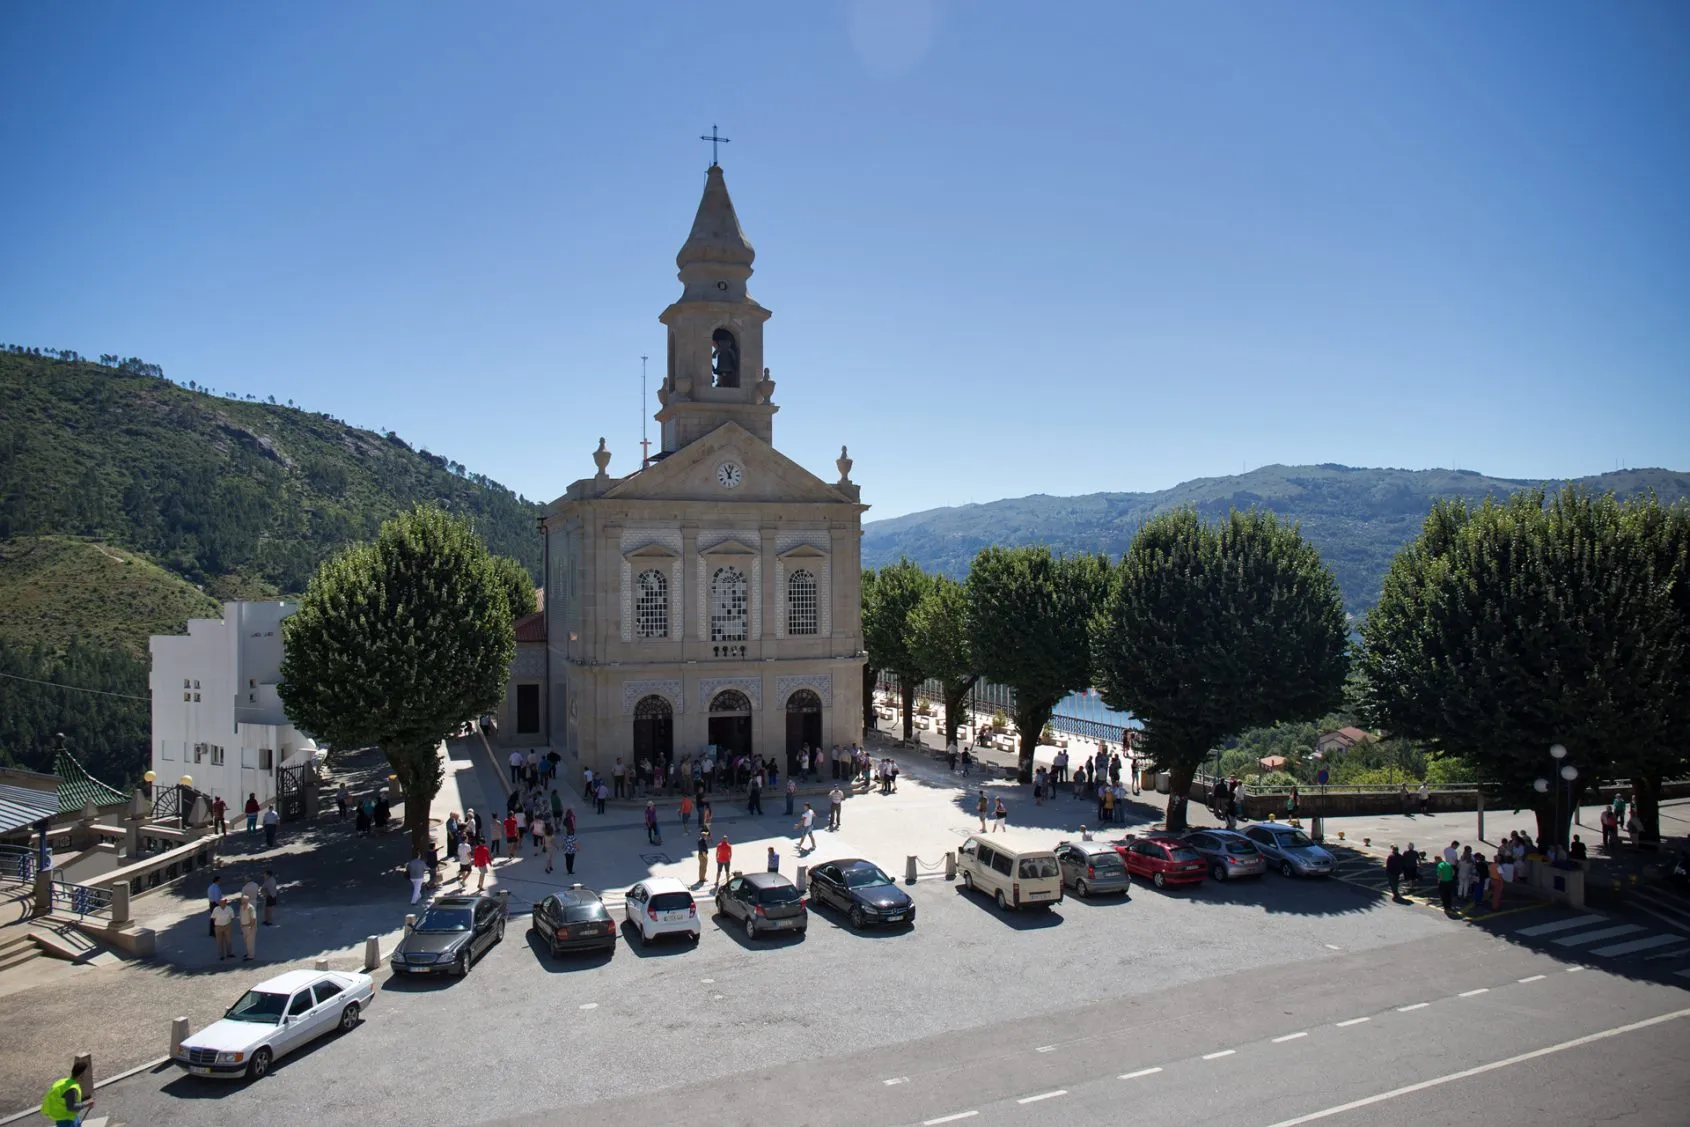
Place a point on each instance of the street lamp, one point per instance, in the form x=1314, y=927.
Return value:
x=1569, y=773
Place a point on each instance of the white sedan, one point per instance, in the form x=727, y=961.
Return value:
x=276, y=1017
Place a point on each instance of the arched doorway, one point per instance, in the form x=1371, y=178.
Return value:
x=654, y=730
x=730, y=722
x=803, y=725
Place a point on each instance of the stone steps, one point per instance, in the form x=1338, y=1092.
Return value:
x=18, y=948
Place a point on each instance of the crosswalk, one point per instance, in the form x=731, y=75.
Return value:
x=1598, y=935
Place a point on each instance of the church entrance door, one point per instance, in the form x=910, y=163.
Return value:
x=654, y=730
x=730, y=723
x=803, y=725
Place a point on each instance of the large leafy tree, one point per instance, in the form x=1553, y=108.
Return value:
x=939, y=637
x=1027, y=615
x=518, y=586
x=897, y=591
x=1210, y=629
x=397, y=642
x=870, y=670
x=1507, y=628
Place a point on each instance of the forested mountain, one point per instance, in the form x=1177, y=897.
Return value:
x=1358, y=518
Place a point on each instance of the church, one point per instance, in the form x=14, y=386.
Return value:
x=712, y=597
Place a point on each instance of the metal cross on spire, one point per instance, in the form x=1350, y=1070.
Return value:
x=715, y=139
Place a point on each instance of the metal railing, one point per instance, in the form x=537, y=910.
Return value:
x=81, y=899
x=17, y=862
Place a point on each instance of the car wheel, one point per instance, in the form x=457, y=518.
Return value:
x=349, y=1017
x=858, y=920
x=696, y=936
x=499, y=932
x=1159, y=881
x=1285, y=869
x=750, y=927
x=1218, y=872
x=968, y=882
x=259, y=1065
x=1003, y=905
x=645, y=940
x=1081, y=890
x=462, y=967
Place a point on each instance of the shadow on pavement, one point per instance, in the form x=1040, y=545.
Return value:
x=569, y=962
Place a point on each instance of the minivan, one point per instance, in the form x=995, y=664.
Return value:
x=1015, y=874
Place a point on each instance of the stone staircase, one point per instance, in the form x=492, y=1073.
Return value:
x=17, y=947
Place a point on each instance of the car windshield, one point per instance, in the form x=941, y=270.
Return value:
x=445, y=919
x=257, y=1006
x=1182, y=853
x=866, y=876
x=1295, y=839
x=780, y=894
x=1032, y=867
x=1110, y=860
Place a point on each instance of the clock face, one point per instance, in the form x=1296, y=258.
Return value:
x=729, y=475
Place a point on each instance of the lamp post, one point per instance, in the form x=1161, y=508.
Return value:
x=1558, y=752
x=1569, y=773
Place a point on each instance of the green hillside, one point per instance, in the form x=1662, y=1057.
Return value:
x=1358, y=518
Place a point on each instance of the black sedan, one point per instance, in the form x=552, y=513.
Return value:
x=862, y=889
x=450, y=935
x=573, y=920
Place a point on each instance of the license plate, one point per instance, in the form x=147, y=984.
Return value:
x=894, y=917
x=671, y=917
x=199, y=1070
x=1037, y=895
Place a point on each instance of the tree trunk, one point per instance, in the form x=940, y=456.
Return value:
x=906, y=688
x=420, y=773
x=1179, y=790
x=868, y=697
x=1030, y=721
x=1646, y=791
x=955, y=693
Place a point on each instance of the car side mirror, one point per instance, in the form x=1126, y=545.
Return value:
x=287, y=1019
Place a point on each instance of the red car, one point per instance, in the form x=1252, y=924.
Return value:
x=1162, y=860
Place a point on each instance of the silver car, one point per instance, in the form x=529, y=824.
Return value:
x=1230, y=854
x=1290, y=850
x=1090, y=867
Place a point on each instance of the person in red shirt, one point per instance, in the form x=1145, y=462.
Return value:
x=251, y=811
x=483, y=859
x=220, y=816
x=724, y=857
x=513, y=838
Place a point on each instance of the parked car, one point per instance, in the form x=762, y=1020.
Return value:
x=277, y=1016
x=572, y=920
x=661, y=906
x=1290, y=850
x=1229, y=854
x=450, y=936
x=863, y=891
x=1018, y=872
x=1163, y=861
x=764, y=902
x=1090, y=867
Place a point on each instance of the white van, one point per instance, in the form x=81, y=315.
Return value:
x=1017, y=874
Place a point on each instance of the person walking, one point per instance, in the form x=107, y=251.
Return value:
x=570, y=846
x=513, y=837
x=1477, y=888
x=601, y=795
x=1464, y=874
x=1446, y=885
x=222, y=922
x=362, y=824
x=416, y=871
x=219, y=816
x=341, y=797
x=272, y=893
x=703, y=855
x=1425, y=799
x=686, y=813
x=248, y=918
x=651, y=833
x=1393, y=872
x=774, y=860
x=1411, y=866
x=980, y=808
x=1000, y=814
x=835, y=808
x=483, y=862
x=791, y=792
x=272, y=823
x=724, y=858
x=545, y=835
x=807, y=827
x=1493, y=881
x=755, y=795
x=251, y=810
x=65, y=1104
x=517, y=760
x=466, y=853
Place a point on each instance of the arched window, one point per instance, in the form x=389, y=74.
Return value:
x=651, y=605
x=724, y=358
x=729, y=605
x=730, y=701
x=802, y=611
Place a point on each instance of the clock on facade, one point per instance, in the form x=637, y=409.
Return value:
x=729, y=475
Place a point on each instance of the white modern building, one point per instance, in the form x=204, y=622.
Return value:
x=216, y=715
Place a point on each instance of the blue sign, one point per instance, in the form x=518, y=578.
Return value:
x=1321, y=776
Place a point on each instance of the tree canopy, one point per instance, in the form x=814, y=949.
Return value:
x=397, y=642
x=1210, y=629
x=939, y=638
x=896, y=592
x=518, y=586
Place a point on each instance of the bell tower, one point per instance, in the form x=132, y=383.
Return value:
x=715, y=372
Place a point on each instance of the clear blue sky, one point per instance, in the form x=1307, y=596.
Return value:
x=1010, y=248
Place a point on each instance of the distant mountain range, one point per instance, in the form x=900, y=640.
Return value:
x=1357, y=518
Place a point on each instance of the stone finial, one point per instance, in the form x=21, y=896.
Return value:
x=139, y=807
x=844, y=463
x=200, y=816
x=601, y=458
x=765, y=388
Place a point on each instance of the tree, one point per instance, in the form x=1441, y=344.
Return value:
x=897, y=591
x=1210, y=629
x=518, y=586
x=1027, y=615
x=939, y=638
x=1507, y=628
x=397, y=642
x=870, y=670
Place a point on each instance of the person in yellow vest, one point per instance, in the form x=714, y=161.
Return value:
x=65, y=1104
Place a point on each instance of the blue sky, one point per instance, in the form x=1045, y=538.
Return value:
x=1010, y=248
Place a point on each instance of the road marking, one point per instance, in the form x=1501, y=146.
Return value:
x=1561, y=925
x=1598, y=936
x=717, y=997
x=1472, y=993
x=1534, y=978
x=896, y=1080
x=1638, y=945
x=589, y=1005
x=1415, y=1006
x=1219, y=1055
x=1045, y=1049
x=1333, y=947
x=1353, y=1021
x=1141, y=1072
x=1408, y=1089
x=707, y=981
x=1574, y=970
x=949, y=1118
x=1042, y=1096
x=1289, y=1037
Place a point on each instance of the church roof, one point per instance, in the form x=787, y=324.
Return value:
x=716, y=236
x=77, y=787
x=531, y=628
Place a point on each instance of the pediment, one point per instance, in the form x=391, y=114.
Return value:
x=803, y=552
x=728, y=549
x=689, y=474
x=651, y=552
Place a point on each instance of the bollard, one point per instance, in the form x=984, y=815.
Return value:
x=505, y=902
x=950, y=864
x=909, y=871
x=372, y=953
x=178, y=1033
x=320, y=964
x=120, y=909
x=803, y=878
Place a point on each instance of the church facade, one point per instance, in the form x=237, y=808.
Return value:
x=713, y=597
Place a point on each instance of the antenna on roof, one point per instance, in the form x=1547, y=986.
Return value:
x=645, y=443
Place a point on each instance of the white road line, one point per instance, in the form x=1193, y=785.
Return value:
x=1219, y=1055
x=1353, y=1021
x=1598, y=936
x=949, y=1118
x=1408, y=1089
x=1534, y=978
x=1638, y=945
x=1473, y=993
x=1333, y=947
x=1140, y=1072
x=896, y=1080
x=1415, y=1006
x=589, y=1005
x=1042, y=1096
x=1574, y=970
x=1045, y=1049
x=1289, y=1037
x=1561, y=925
x=707, y=981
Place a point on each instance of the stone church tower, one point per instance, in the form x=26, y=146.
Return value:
x=713, y=597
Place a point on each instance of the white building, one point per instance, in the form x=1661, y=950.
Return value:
x=216, y=715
